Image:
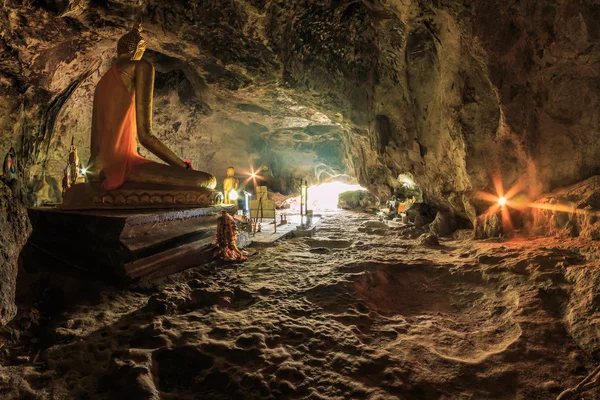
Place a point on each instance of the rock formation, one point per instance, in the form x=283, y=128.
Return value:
x=570, y=211
x=451, y=93
x=14, y=231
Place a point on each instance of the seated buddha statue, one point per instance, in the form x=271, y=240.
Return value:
x=122, y=115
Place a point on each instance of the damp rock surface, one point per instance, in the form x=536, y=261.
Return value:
x=369, y=315
x=15, y=229
x=570, y=211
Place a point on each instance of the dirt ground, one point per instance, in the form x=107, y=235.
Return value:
x=357, y=311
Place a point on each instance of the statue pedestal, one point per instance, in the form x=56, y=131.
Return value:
x=88, y=196
x=127, y=244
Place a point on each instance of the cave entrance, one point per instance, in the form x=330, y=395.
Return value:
x=325, y=197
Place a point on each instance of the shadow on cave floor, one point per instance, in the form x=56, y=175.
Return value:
x=348, y=313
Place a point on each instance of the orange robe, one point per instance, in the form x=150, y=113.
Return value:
x=114, y=111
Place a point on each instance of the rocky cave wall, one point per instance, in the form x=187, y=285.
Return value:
x=449, y=92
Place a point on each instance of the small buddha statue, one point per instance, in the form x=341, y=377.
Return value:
x=230, y=183
x=122, y=114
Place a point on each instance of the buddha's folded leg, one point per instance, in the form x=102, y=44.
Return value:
x=162, y=174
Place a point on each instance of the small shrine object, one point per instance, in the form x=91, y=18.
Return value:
x=401, y=208
x=262, y=208
x=246, y=202
x=405, y=205
x=305, y=215
x=261, y=193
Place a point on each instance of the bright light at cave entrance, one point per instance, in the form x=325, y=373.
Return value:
x=325, y=196
x=233, y=195
x=502, y=201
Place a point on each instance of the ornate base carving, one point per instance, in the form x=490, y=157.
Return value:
x=89, y=196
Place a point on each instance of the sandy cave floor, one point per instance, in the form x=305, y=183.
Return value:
x=354, y=312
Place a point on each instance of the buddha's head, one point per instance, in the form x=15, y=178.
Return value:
x=230, y=172
x=132, y=45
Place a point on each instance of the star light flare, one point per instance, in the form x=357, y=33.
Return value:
x=253, y=175
x=502, y=200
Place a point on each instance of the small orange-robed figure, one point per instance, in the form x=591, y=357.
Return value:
x=122, y=113
x=226, y=239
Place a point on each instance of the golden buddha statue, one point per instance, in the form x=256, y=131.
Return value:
x=122, y=113
x=117, y=176
x=230, y=183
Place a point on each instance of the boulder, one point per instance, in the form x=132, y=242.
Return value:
x=428, y=239
x=488, y=226
x=419, y=221
x=357, y=199
x=375, y=224
x=443, y=225
x=570, y=211
x=14, y=232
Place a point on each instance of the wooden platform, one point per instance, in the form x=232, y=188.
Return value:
x=125, y=244
x=292, y=229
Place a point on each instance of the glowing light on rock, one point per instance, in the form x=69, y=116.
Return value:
x=407, y=180
x=503, y=200
x=233, y=195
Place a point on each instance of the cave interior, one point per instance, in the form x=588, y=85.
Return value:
x=434, y=168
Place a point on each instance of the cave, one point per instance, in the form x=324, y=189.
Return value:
x=319, y=199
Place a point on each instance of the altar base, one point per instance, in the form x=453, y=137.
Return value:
x=126, y=244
